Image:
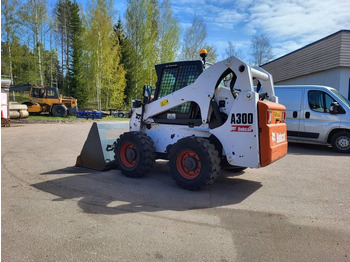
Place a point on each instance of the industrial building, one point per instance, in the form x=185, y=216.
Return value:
x=324, y=62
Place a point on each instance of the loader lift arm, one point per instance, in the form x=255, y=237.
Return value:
x=202, y=89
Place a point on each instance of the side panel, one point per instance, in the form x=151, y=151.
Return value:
x=292, y=99
x=163, y=135
x=35, y=108
x=273, y=132
x=239, y=135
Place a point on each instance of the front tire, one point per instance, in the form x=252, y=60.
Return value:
x=341, y=142
x=134, y=154
x=194, y=163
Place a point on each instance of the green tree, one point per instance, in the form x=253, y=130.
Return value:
x=10, y=10
x=212, y=53
x=169, y=33
x=106, y=73
x=76, y=80
x=142, y=31
x=34, y=17
x=62, y=22
x=126, y=60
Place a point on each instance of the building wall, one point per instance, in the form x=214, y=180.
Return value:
x=325, y=54
x=345, y=49
x=324, y=62
x=339, y=78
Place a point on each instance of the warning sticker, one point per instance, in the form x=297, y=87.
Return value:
x=242, y=128
x=277, y=114
x=164, y=102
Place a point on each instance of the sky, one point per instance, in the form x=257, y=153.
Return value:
x=289, y=24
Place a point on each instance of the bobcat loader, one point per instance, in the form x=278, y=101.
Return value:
x=202, y=121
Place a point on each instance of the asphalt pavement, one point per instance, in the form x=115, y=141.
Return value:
x=297, y=209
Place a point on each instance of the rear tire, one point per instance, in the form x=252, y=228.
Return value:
x=341, y=142
x=134, y=154
x=194, y=163
x=59, y=110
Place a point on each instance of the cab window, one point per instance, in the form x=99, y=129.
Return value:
x=50, y=93
x=320, y=101
x=37, y=92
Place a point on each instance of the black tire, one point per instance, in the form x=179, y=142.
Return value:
x=341, y=142
x=121, y=115
x=59, y=110
x=135, y=154
x=194, y=163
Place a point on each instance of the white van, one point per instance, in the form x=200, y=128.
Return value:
x=316, y=114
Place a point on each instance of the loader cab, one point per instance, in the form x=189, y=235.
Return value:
x=172, y=77
x=41, y=92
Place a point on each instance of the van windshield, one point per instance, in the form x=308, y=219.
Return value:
x=345, y=101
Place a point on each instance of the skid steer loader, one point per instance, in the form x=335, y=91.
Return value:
x=202, y=120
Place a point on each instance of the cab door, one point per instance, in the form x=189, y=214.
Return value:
x=317, y=120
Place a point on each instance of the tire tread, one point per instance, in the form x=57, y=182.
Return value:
x=147, y=152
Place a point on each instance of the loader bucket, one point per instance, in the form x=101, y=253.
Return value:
x=97, y=152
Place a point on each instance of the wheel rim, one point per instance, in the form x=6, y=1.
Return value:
x=188, y=164
x=128, y=155
x=343, y=143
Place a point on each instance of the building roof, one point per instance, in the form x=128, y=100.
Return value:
x=330, y=52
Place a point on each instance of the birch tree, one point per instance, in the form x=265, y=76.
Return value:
x=10, y=22
x=62, y=15
x=195, y=40
x=169, y=33
x=107, y=75
x=231, y=50
x=34, y=16
x=142, y=31
x=260, y=50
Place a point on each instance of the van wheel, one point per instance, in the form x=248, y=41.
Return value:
x=341, y=142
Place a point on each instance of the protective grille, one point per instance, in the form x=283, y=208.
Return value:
x=176, y=78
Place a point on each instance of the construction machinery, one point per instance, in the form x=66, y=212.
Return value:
x=202, y=120
x=47, y=99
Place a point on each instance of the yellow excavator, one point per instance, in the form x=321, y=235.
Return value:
x=47, y=99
